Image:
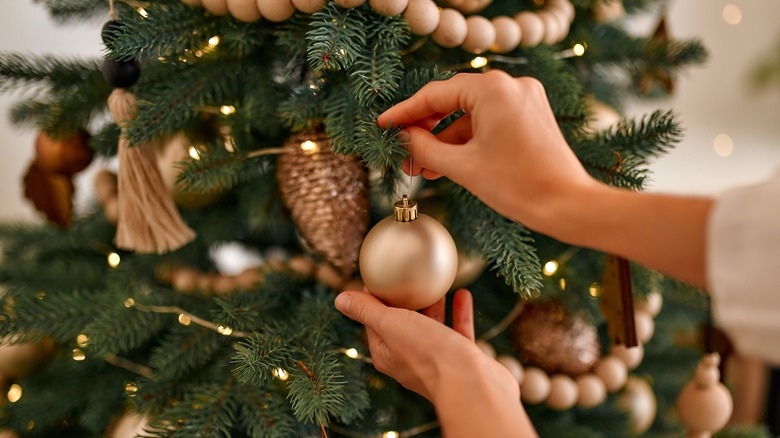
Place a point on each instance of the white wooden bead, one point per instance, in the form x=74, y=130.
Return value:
x=507, y=34
x=592, y=391
x=565, y=6
x=563, y=392
x=309, y=6
x=453, y=3
x=513, y=366
x=185, y=279
x=531, y=29
x=244, y=10
x=276, y=10
x=535, y=387
x=552, y=28
x=452, y=29
x=111, y=209
x=487, y=349
x=612, y=371
x=480, y=35
x=645, y=326
x=303, y=265
x=389, y=7
x=224, y=284
x=632, y=357
x=652, y=304
x=349, y=3
x=472, y=6
x=196, y=3
x=422, y=16
x=216, y=7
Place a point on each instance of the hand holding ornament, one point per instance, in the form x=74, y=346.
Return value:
x=473, y=394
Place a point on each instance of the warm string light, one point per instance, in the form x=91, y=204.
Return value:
x=82, y=340
x=131, y=389
x=78, y=354
x=281, y=374
x=214, y=41
x=227, y=109
x=184, y=319
x=113, y=259
x=723, y=145
x=310, y=147
x=732, y=14
x=193, y=152
x=390, y=434
x=14, y=393
x=550, y=268
x=594, y=290
x=353, y=353
x=479, y=62
x=142, y=12
x=181, y=314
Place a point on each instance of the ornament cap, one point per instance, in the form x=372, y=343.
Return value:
x=405, y=210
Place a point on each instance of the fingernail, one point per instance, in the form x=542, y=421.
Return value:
x=404, y=135
x=342, y=302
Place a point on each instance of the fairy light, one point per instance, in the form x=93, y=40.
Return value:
x=78, y=354
x=594, y=290
x=131, y=389
x=40, y=295
x=723, y=145
x=193, y=151
x=184, y=319
x=550, y=268
x=113, y=259
x=14, y=393
x=562, y=283
x=223, y=330
x=352, y=353
x=732, y=14
x=129, y=302
x=230, y=144
x=214, y=41
x=310, y=146
x=479, y=62
x=142, y=12
x=82, y=340
x=391, y=434
x=578, y=49
x=30, y=425
x=281, y=374
x=227, y=109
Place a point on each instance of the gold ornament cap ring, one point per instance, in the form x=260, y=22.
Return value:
x=405, y=210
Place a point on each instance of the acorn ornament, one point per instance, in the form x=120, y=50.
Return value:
x=704, y=404
x=408, y=260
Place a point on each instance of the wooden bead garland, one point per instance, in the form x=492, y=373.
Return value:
x=561, y=391
x=447, y=27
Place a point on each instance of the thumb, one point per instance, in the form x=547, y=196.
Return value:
x=362, y=307
x=431, y=153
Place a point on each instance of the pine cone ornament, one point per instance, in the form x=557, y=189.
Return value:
x=327, y=195
x=548, y=336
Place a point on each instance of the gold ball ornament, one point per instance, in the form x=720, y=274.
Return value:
x=480, y=36
x=216, y=7
x=507, y=34
x=704, y=404
x=563, y=392
x=327, y=195
x=389, y=7
x=408, y=260
x=512, y=365
x=612, y=371
x=174, y=151
x=470, y=267
x=244, y=10
x=452, y=29
x=536, y=386
x=276, y=10
x=531, y=29
x=592, y=391
x=639, y=400
x=422, y=16
x=547, y=336
x=309, y=6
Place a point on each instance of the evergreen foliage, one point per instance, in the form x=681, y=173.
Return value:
x=267, y=361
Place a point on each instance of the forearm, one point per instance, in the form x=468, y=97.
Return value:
x=664, y=232
x=475, y=402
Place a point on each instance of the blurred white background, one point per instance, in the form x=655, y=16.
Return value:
x=711, y=100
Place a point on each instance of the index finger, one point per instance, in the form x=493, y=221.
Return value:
x=362, y=307
x=435, y=100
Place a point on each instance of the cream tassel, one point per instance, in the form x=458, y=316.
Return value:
x=148, y=220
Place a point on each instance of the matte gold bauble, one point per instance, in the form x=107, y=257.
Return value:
x=639, y=400
x=408, y=260
x=546, y=335
x=169, y=156
x=18, y=360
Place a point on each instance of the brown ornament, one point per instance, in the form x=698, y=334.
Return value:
x=64, y=157
x=327, y=195
x=50, y=193
x=547, y=336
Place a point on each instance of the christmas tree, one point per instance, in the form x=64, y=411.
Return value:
x=252, y=124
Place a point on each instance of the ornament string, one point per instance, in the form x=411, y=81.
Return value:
x=411, y=175
x=111, y=10
x=226, y=331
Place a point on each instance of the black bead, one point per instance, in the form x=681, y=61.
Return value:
x=121, y=74
x=111, y=30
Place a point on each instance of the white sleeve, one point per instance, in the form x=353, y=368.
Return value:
x=743, y=267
